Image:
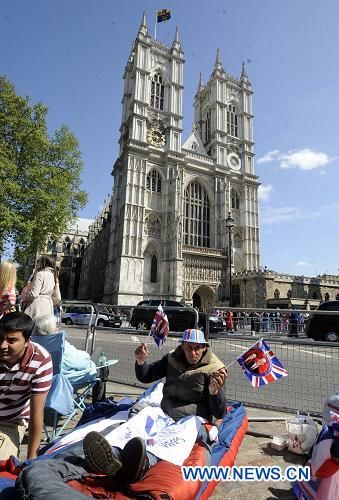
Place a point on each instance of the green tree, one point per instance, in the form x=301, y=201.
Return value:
x=40, y=181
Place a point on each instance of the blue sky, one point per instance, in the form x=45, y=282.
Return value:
x=70, y=54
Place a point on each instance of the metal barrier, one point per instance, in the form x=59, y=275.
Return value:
x=313, y=367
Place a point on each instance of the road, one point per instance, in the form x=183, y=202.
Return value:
x=313, y=369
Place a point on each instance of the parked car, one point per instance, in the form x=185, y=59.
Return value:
x=216, y=323
x=180, y=316
x=81, y=314
x=324, y=327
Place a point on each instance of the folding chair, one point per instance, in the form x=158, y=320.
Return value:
x=64, y=398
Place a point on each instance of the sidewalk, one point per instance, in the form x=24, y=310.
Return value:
x=254, y=451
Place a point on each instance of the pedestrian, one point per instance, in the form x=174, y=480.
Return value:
x=25, y=378
x=229, y=321
x=194, y=381
x=7, y=287
x=45, y=292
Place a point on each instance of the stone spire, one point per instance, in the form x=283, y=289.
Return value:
x=243, y=77
x=199, y=84
x=176, y=42
x=217, y=64
x=143, y=25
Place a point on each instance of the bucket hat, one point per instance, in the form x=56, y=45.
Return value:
x=195, y=336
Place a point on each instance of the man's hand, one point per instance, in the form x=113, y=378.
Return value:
x=217, y=380
x=141, y=353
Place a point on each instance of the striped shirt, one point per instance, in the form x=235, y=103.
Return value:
x=31, y=375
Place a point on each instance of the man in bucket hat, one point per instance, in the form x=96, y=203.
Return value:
x=194, y=380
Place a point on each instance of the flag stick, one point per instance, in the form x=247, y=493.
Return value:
x=155, y=25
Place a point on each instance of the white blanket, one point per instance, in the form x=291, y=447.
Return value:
x=165, y=438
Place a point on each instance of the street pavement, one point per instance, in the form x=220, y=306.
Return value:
x=313, y=369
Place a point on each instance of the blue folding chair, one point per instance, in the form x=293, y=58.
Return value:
x=64, y=398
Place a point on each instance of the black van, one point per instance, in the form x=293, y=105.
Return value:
x=180, y=316
x=324, y=327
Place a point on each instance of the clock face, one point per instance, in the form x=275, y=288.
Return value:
x=234, y=161
x=156, y=137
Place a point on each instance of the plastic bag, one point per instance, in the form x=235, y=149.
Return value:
x=302, y=433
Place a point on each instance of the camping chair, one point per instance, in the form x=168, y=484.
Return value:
x=64, y=398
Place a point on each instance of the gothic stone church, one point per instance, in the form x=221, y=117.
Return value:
x=167, y=236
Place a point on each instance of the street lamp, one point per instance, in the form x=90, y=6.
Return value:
x=229, y=225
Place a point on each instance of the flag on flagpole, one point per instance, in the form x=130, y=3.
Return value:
x=163, y=15
x=160, y=327
x=260, y=364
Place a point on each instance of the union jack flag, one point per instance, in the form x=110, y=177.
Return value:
x=160, y=327
x=260, y=364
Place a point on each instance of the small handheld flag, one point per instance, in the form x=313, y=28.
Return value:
x=260, y=364
x=163, y=15
x=160, y=327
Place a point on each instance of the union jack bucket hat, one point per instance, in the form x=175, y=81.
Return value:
x=195, y=336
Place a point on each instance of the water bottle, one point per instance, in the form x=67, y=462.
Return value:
x=104, y=370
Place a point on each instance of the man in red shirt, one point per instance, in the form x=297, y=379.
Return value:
x=25, y=378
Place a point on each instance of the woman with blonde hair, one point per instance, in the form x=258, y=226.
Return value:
x=7, y=287
x=45, y=292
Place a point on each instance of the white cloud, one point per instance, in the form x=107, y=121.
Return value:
x=270, y=156
x=271, y=215
x=302, y=263
x=305, y=159
x=264, y=192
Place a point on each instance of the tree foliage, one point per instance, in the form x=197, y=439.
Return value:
x=39, y=176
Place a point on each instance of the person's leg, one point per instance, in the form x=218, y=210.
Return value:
x=11, y=436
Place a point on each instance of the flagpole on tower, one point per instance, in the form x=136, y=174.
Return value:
x=155, y=25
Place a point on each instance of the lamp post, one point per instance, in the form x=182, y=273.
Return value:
x=229, y=225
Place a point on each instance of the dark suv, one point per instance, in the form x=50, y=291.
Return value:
x=324, y=327
x=180, y=316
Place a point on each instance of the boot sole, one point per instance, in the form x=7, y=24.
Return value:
x=99, y=455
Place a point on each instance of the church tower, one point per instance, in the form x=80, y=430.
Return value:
x=168, y=238
x=224, y=120
x=143, y=258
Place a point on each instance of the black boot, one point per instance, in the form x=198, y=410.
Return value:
x=134, y=461
x=99, y=454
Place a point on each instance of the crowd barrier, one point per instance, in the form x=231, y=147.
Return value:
x=313, y=367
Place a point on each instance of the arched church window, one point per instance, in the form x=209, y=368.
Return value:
x=327, y=296
x=235, y=200
x=208, y=125
x=276, y=293
x=196, y=216
x=154, y=268
x=232, y=120
x=81, y=247
x=153, y=181
x=289, y=294
x=314, y=295
x=157, y=91
x=66, y=246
